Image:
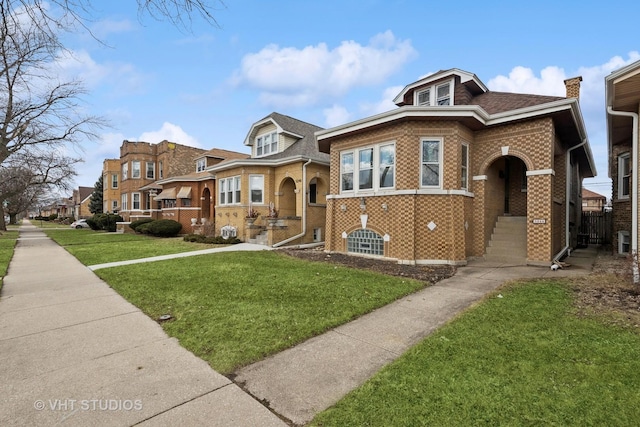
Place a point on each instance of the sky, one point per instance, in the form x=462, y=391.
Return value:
x=331, y=62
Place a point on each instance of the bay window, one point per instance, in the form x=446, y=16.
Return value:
x=375, y=169
x=151, y=170
x=229, y=190
x=135, y=169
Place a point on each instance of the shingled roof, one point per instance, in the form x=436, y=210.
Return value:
x=499, y=102
x=306, y=147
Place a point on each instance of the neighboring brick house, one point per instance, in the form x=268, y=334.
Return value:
x=141, y=165
x=111, y=185
x=190, y=199
x=592, y=201
x=287, y=172
x=622, y=93
x=428, y=182
x=81, y=199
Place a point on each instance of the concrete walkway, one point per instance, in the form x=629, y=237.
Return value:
x=73, y=352
x=76, y=353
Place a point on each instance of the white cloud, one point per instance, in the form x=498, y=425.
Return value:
x=104, y=28
x=336, y=115
x=384, y=104
x=169, y=132
x=523, y=80
x=290, y=76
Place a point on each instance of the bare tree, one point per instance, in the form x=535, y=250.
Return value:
x=28, y=177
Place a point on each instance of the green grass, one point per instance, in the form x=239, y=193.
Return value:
x=8, y=241
x=96, y=247
x=524, y=359
x=232, y=309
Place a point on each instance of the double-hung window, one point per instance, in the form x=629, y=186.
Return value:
x=151, y=170
x=624, y=176
x=125, y=171
x=374, y=170
x=437, y=95
x=123, y=202
x=431, y=162
x=114, y=180
x=267, y=144
x=135, y=201
x=464, y=167
x=256, y=188
x=135, y=169
x=229, y=190
x=200, y=165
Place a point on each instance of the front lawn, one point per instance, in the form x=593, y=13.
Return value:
x=232, y=309
x=98, y=247
x=523, y=359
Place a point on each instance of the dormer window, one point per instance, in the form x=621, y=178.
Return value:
x=200, y=165
x=267, y=144
x=434, y=95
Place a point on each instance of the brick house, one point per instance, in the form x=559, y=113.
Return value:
x=285, y=173
x=81, y=199
x=592, y=201
x=622, y=93
x=141, y=165
x=190, y=199
x=458, y=171
x=111, y=185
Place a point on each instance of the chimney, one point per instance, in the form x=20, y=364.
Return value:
x=573, y=87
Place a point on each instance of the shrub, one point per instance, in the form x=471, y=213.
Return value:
x=194, y=238
x=161, y=228
x=104, y=221
x=137, y=223
x=217, y=240
x=53, y=217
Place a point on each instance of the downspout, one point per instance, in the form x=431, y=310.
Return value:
x=567, y=234
x=634, y=189
x=304, y=209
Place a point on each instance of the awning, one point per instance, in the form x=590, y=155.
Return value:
x=184, y=193
x=169, y=193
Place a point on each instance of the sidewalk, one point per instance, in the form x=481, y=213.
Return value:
x=76, y=353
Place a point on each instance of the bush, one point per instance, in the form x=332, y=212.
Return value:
x=104, y=221
x=161, y=228
x=53, y=217
x=218, y=240
x=137, y=223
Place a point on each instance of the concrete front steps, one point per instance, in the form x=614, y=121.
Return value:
x=508, y=242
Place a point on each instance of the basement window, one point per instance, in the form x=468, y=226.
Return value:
x=365, y=242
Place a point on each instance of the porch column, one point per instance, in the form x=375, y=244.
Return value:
x=539, y=219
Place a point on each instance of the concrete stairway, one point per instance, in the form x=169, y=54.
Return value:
x=508, y=242
x=260, y=239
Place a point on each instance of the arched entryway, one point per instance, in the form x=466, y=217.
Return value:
x=317, y=191
x=287, y=203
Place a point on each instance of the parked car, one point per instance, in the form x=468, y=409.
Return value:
x=81, y=223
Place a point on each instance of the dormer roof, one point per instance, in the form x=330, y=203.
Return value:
x=470, y=80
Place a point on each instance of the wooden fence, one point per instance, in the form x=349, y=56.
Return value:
x=596, y=227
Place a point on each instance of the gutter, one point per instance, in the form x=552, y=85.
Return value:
x=567, y=234
x=304, y=208
x=634, y=186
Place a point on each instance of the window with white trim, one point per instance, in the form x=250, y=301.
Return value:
x=267, y=144
x=125, y=171
x=256, y=188
x=431, y=162
x=151, y=170
x=114, y=205
x=435, y=95
x=201, y=164
x=135, y=201
x=464, y=167
x=229, y=190
x=624, y=175
x=160, y=169
x=375, y=169
x=123, y=202
x=624, y=242
x=114, y=180
x=135, y=169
